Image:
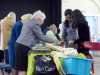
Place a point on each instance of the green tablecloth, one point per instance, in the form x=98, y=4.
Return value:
x=31, y=61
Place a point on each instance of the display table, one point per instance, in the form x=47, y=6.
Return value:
x=54, y=51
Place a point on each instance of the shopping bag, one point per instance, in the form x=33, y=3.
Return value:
x=45, y=65
x=92, y=45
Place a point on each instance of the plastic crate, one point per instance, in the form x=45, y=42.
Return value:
x=77, y=66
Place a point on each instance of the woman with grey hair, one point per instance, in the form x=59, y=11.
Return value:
x=30, y=35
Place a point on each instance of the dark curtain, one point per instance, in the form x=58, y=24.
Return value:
x=52, y=8
x=56, y=11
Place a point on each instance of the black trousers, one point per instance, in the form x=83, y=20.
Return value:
x=1, y=55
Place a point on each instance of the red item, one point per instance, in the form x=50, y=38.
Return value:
x=62, y=44
x=92, y=45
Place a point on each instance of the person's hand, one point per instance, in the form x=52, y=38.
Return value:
x=48, y=45
x=71, y=42
x=61, y=43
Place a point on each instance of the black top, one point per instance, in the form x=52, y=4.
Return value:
x=84, y=35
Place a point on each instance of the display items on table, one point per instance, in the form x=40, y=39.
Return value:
x=58, y=59
x=70, y=52
x=81, y=55
x=66, y=51
x=61, y=57
x=40, y=46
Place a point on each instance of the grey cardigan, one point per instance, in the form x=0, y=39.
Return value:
x=31, y=34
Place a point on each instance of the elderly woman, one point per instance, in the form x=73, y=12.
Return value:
x=16, y=30
x=30, y=35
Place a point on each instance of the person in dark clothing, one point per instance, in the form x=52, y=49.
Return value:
x=14, y=35
x=11, y=44
x=57, y=34
x=79, y=22
x=44, y=29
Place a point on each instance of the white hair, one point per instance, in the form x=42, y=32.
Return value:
x=39, y=13
x=26, y=17
x=12, y=16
